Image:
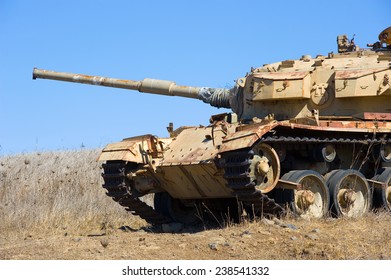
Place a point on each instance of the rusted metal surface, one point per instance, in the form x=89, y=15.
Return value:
x=187, y=169
x=146, y=85
x=284, y=184
x=374, y=116
x=238, y=141
x=377, y=184
x=343, y=126
x=136, y=149
x=282, y=75
x=191, y=146
x=246, y=136
x=193, y=181
x=85, y=79
x=280, y=85
x=357, y=73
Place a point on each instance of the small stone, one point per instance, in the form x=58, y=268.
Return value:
x=306, y=251
x=311, y=236
x=277, y=221
x=263, y=232
x=267, y=222
x=104, y=243
x=245, y=233
x=293, y=238
x=291, y=226
x=284, y=225
x=213, y=246
x=316, y=230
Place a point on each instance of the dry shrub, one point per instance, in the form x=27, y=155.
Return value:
x=56, y=192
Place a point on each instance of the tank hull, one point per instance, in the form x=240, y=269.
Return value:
x=264, y=166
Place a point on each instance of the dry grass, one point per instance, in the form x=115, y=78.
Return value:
x=55, y=192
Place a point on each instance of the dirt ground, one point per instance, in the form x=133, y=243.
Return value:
x=367, y=238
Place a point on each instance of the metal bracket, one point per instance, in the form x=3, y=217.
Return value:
x=377, y=184
x=283, y=184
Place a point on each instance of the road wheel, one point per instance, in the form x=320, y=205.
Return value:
x=265, y=167
x=349, y=193
x=382, y=196
x=312, y=201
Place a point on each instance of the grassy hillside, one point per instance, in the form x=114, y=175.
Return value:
x=54, y=191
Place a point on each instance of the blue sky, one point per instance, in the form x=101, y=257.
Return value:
x=197, y=43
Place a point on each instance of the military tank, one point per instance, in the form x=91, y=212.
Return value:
x=309, y=135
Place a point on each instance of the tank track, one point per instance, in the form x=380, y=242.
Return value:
x=115, y=182
x=309, y=140
x=236, y=164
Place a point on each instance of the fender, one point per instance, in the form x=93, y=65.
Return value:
x=135, y=149
x=245, y=138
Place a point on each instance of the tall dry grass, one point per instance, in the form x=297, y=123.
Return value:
x=56, y=192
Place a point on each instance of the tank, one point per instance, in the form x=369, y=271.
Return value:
x=309, y=136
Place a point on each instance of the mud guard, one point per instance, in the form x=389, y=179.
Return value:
x=135, y=149
x=246, y=138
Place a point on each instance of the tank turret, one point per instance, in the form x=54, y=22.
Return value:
x=343, y=84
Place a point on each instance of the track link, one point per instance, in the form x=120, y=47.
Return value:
x=236, y=165
x=118, y=188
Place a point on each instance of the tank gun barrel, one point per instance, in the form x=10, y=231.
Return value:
x=217, y=97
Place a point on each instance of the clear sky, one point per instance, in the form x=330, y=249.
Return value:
x=197, y=43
